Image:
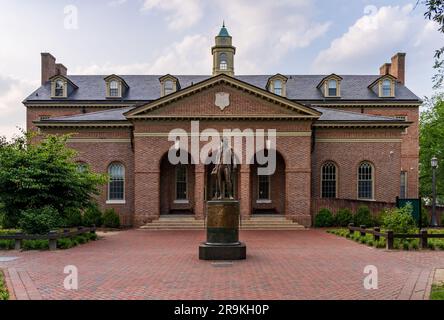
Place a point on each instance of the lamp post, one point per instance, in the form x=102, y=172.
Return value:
x=434, y=163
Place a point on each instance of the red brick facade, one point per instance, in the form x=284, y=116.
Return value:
x=150, y=178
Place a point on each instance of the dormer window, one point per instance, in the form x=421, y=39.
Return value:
x=386, y=88
x=61, y=87
x=116, y=86
x=169, y=87
x=114, y=89
x=277, y=87
x=223, y=61
x=169, y=84
x=330, y=86
x=59, y=90
x=277, y=84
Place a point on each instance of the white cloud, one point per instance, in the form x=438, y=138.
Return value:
x=382, y=31
x=181, y=14
x=266, y=31
x=12, y=93
x=189, y=56
x=379, y=34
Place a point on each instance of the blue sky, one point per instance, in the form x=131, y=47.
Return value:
x=175, y=36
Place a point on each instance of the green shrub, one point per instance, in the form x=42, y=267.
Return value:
x=399, y=220
x=343, y=217
x=414, y=245
x=64, y=243
x=6, y=244
x=39, y=221
x=363, y=217
x=425, y=217
x=111, y=219
x=4, y=295
x=92, y=216
x=324, y=218
x=35, y=244
x=72, y=217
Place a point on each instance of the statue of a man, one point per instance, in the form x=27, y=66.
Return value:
x=225, y=166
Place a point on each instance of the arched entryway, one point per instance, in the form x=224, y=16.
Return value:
x=176, y=187
x=268, y=192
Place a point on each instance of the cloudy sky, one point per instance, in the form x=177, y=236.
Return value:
x=175, y=36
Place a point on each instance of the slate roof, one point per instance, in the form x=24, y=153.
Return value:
x=328, y=114
x=144, y=88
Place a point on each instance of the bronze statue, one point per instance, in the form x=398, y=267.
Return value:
x=225, y=166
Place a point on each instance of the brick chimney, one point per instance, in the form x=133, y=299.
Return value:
x=50, y=68
x=385, y=69
x=396, y=68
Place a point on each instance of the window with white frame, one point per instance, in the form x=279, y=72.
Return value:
x=264, y=187
x=277, y=87
x=386, y=88
x=181, y=182
x=81, y=167
x=223, y=61
x=332, y=88
x=328, y=180
x=59, y=90
x=116, y=184
x=169, y=87
x=114, y=88
x=365, y=181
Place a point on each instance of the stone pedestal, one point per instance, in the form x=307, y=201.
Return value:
x=222, y=232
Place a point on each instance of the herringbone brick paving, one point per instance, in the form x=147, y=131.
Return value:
x=140, y=264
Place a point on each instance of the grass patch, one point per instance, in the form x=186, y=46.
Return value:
x=437, y=292
x=4, y=294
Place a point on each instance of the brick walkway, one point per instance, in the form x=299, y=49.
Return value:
x=164, y=265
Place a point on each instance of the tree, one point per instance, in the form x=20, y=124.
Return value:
x=435, y=12
x=38, y=175
x=431, y=140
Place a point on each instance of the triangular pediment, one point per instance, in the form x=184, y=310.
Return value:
x=222, y=97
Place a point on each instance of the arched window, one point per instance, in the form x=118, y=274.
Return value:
x=277, y=86
x=59, y=90
x=386, y=88
x=113, y=88
x=169, y=87
x=328, y=180
x=223, y=62
x=81, y=167
x=332, y=88
x=365, y=181
x=181, y=182
x=116, y=184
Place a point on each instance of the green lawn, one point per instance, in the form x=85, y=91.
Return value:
x=4, y=295
x=437, y=292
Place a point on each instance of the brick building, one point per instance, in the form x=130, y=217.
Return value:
x=338, y=136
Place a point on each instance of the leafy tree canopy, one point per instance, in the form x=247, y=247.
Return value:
x=435, y=12
x=432, y=144
x=45, y=174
